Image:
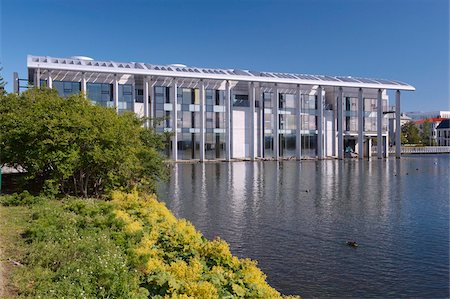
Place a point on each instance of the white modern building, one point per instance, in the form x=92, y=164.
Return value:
x=235, y=114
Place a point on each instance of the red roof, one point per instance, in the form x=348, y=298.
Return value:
x=431, y=120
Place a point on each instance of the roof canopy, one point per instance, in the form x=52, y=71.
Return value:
x=181, y=71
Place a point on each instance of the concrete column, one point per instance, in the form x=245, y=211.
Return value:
x=379, y=125
x=276, y=123
x=319, y=123
x=398, y=129
x=83, y=85
x=116, y=93
x=360, y=124
x=340, y=117
x=151, y=105
x=252, y=96
x=228, y=120
x=261, y=123
x=175, y=121
x=298, y=121
x=146, y=105
x=133, y=96
x=49, y=80
x=202, y=120
x=37, y=82
x=369, y=144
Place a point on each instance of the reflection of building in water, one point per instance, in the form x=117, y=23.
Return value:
x=230, y=113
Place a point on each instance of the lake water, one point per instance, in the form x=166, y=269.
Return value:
x=295, y=218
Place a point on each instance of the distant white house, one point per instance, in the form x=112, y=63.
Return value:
x=443, y=133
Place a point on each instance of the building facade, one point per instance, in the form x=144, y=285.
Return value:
x=443, y=133
x=235, y=114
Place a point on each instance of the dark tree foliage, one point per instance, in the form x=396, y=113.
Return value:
x=410, y=134
x=425, y=134
x=72, y=146
x=2, y=82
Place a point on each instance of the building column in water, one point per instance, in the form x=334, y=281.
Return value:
x=379, y=125
x=386, y=145
x=173, y=92
x=360, y=124
x=116, y=93
x=319, y=123
x=202, y=120
x=84, y=85
x=298, y=122
x=398, y=129
x=340, y=126
x=228, y=120
x=151, y=100
x=276, y=123
x=252, y=96
x=146, y=105
x=260, y=95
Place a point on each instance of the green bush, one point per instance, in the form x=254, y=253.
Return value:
x=22, y=199
x=129, y=247
x=72, y=146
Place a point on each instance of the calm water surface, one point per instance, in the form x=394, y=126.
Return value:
x=295, y=217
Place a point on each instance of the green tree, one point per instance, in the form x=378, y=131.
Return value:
x=2, y=81
x=410, y=133
x=71, y=146
x=425, y=134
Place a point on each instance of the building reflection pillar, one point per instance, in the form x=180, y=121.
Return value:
x=228, y=120
x=202, y=120
x=299, y=122
x=398, y=129
x=379, y=125
x=276, y=123
x=174, y=92
x=340, y=126
x=319, y=122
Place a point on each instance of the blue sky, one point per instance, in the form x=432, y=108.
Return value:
x=406, y=40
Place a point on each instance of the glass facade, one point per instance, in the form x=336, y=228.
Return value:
x=67, y=88
x=125, y=97
x=100, y=94
x=287, y=125
x=162, y=115
x=215, y=125
x=351, y=114
x=268, y=122
x=188, y=123
x=308, y=124
x=370, y=115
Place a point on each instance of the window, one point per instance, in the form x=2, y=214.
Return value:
x=125, y=97
x=267, y=97
x=139, y=95
x=241, y=100
x=67, y=88
x=100, y=93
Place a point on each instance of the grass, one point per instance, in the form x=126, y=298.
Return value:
x=13, y=222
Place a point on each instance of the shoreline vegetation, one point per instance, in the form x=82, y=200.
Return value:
x=88, y=229
x=126, y=246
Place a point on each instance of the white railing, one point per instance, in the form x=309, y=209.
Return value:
x=418, y=150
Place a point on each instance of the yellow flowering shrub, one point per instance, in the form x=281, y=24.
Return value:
x=174, y=260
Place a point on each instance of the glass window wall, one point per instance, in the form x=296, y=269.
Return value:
x=67, y=88
x=100, y=93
